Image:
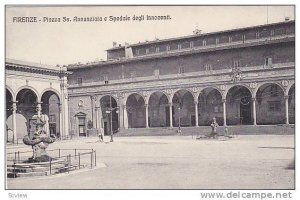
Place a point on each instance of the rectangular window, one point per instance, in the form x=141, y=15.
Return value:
x=181, y=70
x=230, y=39
x=191, y=44
x=272, y=33
x=208, y=67
x=274, y=105
x=204, y=43
x=147, y=51
x=105, y=77
x=268, y=61
x=179, y=46
x=236, y=63
x=157, y=49
x=156, y=72
x=168, y=47
x=257, y=35
x=79, y=81
x=137, y=51
x=217, y=41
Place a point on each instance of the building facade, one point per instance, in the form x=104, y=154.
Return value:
x=241, y=76
x=35, y=89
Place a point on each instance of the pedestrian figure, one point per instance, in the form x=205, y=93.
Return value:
x=101, y=134
x=214, y=126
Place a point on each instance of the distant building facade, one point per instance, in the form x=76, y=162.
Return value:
x=35, y=89
x=242, y=77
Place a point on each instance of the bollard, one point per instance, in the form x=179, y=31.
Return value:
x=50, y=166
x=18, y=156
x=95, y=159
x=79, y=160
x=59, y=152
x=92, y=159
x=14, y=168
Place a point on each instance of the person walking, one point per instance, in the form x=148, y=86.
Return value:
x=101, y=135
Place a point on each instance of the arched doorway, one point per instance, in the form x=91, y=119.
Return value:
x=110, y=114
x=183, y=108
x=9, y=126
x=159, y=110
x=238, y=106
x=292, y=105
x=136, y=112
x=270, y=106
x=209, y=106
x=26, y=108
x=51, y=110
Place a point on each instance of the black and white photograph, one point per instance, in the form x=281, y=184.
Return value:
x=152, y=97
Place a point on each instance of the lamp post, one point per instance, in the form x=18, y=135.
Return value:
x=179, y=128
x=110, y=111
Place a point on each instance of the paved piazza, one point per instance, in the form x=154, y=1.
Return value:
x=176, y=162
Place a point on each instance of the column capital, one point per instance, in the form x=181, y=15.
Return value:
x=196, y=102
x=253, y=98
x=223, y=100
x=286, y=97
x=170, y=104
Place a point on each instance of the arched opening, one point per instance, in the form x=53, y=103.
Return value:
x=110, y=114
x=270, y=106
x=159, y=110
x=183, y=108
x=292, y=105
x=26, y=108
x=136, y=111
x=9, y=127
x=210, y=106
x=51, y=112
x=239, y=106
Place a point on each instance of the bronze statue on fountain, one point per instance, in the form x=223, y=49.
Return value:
x=39, y=141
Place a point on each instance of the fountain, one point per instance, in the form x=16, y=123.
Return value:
x=40, y=164
x=39, y=141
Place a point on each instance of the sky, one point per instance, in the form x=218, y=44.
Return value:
x=66, y=43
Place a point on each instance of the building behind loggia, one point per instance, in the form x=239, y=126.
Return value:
x=243, y=76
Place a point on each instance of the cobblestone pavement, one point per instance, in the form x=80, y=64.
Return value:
x=176, y=162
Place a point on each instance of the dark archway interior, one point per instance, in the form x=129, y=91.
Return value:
x=239, y=106
x=183, y=108
x=26, y=106
x=136, y=111
x=270, y=106
x=110, y=114
x=209, y=106
x=50, y=107
x=292, y=105
x=158, y=110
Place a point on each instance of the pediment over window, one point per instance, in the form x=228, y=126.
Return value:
x=79, y=114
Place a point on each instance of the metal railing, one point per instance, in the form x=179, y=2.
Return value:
x=69, y=159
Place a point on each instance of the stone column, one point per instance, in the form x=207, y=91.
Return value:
x=39, y=108
x=121, y=116
x=254, y=111
x=224, y=111
x=60, y=121
x=171, y=118
x=147, y=120
x=286, y=97
x=14, y=121
x=97, y=117
x=125, y=118
x=196, y=114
